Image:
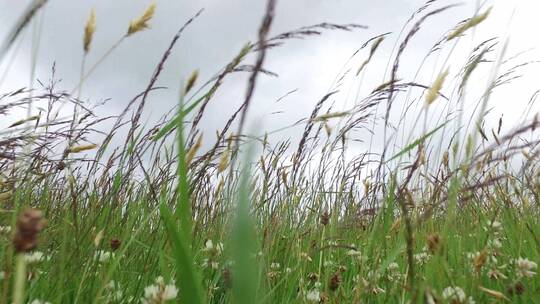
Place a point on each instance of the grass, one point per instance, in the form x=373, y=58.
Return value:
x=451, y=216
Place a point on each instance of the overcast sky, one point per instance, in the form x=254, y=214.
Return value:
x=309, y=65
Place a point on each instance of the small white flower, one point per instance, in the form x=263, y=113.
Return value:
x=393, y=273
x=288, y=270
x=209, y=263
x=328, y=263
x=5, y=229
x=34, y=257
x=354, y=252
x=332, y=243
x=495, y=227
x=115, y=293
x=393, y=266
x=313, y=295
x=495, y=243
x=159, y=293
x=455, y=294
x=275, y=265
x=103, y=256
x=422, y=257
x=525, y=268
x=208, y=245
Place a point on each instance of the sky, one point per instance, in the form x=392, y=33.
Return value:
x=309, y=66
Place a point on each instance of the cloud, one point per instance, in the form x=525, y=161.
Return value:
x=310, y=66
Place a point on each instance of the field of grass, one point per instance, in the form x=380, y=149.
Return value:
x=172, y=216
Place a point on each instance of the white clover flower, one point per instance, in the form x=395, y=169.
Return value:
x=115, y=293
x=38, y=301
x=328, y=263
x=34, y=257
x=393, y=266
x=103, y=256
x=495, y=243
x=305, y=256
x=494, y=226
x=393, y=273
x=160, y=292
x=455, y=294
x=525, y=268
x=313, y=295
x=209, y=263
x=353, y=252
x=422, y=257
x=208, y=245
x=371, y=283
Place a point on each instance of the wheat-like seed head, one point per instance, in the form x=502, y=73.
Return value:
x=89, y=30
x=77, y=149
x=191, y=153
x=328, y=116
x=223, y=161
x=191, y=81
x=372, y=51
x=141, y=23
x=474, y=21
x=22, y=121
x=433, y=92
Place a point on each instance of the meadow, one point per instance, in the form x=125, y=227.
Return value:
x=166, y=214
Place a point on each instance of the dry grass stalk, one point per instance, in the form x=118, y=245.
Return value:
x=496, y=294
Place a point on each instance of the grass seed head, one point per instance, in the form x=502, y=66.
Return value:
x=223, y=161
x=191, y=81
x=473, y=22
x=433, y=92
x=5, y=196
x=115, y=244
x=434, y=243
x=89, y=30
x=193, y=151
x=29, y=224
x=81, y=148
x=325, y=218
x=141, y=23
x=335, y=281
x=22, y=121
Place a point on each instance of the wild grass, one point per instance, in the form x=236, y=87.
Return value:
x=168, y=215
